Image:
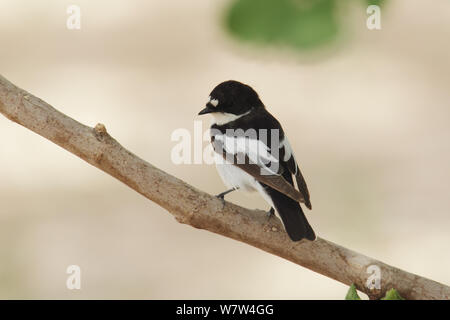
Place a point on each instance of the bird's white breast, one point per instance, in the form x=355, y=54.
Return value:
x=234, y=177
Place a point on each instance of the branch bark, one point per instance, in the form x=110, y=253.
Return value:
x=201, y=210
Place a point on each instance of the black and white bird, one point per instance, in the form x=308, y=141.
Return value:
x=253, y=154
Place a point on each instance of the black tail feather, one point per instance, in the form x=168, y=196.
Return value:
x=291, y=213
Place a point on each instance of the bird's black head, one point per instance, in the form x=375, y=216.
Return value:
x=232, y=97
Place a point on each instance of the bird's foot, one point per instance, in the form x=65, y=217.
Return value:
x=221, y=196
x=270, y=213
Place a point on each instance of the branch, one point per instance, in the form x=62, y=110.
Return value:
x=201, y=210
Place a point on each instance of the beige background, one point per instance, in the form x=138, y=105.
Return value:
x=369, y=122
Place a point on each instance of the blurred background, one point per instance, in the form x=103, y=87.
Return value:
x=367, y=113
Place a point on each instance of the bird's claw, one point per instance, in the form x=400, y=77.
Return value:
x=221, y=197
x=270, y=213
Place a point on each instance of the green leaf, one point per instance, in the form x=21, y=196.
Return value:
x=392, y=295
x=352, y=294
x=374, y=2
x=302, y=24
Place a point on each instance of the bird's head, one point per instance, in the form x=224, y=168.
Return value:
x=230, y=100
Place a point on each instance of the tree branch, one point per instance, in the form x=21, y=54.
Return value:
x=200, y=210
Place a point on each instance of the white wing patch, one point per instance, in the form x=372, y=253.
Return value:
x=257, y=152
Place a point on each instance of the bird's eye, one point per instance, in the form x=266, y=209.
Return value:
x=214, y=102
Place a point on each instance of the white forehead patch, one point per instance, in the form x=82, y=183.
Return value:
x=214, y=102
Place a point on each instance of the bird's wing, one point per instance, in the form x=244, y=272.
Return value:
x=287, y=156
x=254, y=157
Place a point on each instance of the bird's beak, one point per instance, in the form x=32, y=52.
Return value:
x=208, y=109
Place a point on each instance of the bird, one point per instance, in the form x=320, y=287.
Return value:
x=252, y=153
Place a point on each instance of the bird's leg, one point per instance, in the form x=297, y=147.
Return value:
x=222, y=195
x=270, y=213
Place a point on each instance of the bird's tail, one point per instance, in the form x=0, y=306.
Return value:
x=291, y=213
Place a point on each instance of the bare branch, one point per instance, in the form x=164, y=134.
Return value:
x=200, y=210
